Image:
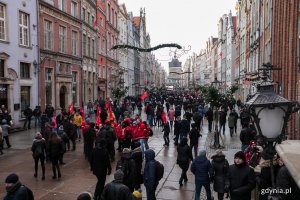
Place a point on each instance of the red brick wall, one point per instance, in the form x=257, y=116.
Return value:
x=284, y=51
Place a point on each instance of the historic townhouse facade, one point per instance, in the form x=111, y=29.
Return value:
x=112, y=39
x=123, y=53
x=60, y=53
x=137, y=62
x=19, y=63
x=130, y=55
x=174, y=78
x=89, y=59
x=231, y=51
x=101, y=50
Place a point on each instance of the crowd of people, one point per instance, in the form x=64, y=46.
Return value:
x=118, y=127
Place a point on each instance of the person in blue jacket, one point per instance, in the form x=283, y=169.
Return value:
x=149, y=174
x=201, y=168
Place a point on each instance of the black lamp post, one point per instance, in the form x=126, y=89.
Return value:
x=216, y=145
x=216, y=83
x=270, y=113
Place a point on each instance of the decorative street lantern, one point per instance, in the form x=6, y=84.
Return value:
x=216, y=83
x=270, y=113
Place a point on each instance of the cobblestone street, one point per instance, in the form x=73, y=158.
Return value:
x=76, y=176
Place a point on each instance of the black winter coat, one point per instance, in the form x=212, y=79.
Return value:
x=241, y=181
x=220, y=168
x=194, y=136
x=100, y=162
x=246, y=136
x=184, y=156
x=137, y=156
x=116, y=191
x=185, y=127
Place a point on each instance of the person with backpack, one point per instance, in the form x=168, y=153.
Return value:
x=100, y=165
x=16, y=190
x=38, y=149
x=128, y=167
x=150, y=174
x=184, y=157
x=220, y=168
x=116, y=190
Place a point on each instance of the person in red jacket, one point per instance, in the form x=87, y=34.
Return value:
x=119, y=136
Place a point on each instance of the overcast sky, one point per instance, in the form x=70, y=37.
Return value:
x=188, y=22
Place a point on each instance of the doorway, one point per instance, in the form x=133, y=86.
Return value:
x=62, y=96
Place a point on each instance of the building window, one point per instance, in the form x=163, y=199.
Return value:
x=101, y=23
x=48, y=35
x=89, y=46
x=93, y=48
x=116, y=20
x=88, y=18
x=24, y=70
x=74, y=87
x=84, y=44
x=108, y=11
x=99, y=47
x=62, y=4
x=2, y=22
x=73, y=8
x=48, y=78
x=62, y=39
x=93, y=21
x=103, y=46
x=1, y=68
x=24, y=29
x=25, y=98
x=83, y=14
x=74, y=43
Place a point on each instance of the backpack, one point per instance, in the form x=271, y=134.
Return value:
x=29, y=193
x=150, y=132
x=38, y=150
x=124, y=166
x=159, y=170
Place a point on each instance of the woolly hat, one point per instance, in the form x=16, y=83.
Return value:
x=119, y=175
x=126, y=152
x=38, y=135
x=240, y=155
x=12, y=178
x=85, y=196
x=202, y=153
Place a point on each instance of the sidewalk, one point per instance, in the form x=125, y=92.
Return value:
x=76, y=176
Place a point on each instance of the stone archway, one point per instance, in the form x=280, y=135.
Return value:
x=62, y=96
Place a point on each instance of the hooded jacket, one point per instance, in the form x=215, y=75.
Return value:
x=220, y=168
x=201, y=168
x=149, y=171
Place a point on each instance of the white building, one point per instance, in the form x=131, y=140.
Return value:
x=130, y=54
x=18, y=56
x=123, y=53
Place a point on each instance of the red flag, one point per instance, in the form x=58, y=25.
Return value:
x=144, y=95
x=98, y=120
x=71, y=107
x=221, y=54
